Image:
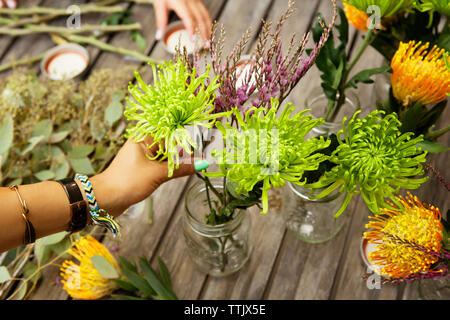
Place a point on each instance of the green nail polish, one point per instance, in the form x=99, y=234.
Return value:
x=200, y=165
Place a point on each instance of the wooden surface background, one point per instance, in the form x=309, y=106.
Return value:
x=281, y=266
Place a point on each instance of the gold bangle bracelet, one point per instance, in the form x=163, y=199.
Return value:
x=30, y=233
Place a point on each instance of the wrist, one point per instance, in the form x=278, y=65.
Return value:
x=108, y=194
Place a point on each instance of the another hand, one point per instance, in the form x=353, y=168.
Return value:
x=132, y=177
x=8, y=3
x=192, y=12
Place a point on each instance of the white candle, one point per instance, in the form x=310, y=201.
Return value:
x=179, y=37
x=65, y=65
x=242, y=71
x=367, y=248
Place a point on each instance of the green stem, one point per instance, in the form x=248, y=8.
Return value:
x=88, y=8
x=438, y=133
x=32, y=29
x=21, y=62
x=107, y=47
x=368, y=39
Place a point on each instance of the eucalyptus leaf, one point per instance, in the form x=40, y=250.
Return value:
x=45, y=175
x=6, y=134
x=82, y=166
x=113, y=112
x=104, y=267
x=41, y=251
x=33, y=142
x=21, y=290
x=4, y=274
x=58, y=136
x=54, y=238
x=80, y=151
x=43, y=128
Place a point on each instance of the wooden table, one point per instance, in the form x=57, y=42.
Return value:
x=281, y=266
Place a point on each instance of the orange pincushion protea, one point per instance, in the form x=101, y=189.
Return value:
x=356, y=17
x=418, y=75
x=82, y=281
x=405, y=238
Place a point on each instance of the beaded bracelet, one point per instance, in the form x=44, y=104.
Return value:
x=98, y=216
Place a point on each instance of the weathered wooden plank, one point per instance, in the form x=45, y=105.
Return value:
x=138, y=237
x=172, y=246
x=32, y=45
x=6, y=41
x=251, y=281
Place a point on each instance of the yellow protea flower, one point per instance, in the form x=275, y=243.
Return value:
x=83, y=281
x=356, y=17
x=419, y=75
x=407, y=238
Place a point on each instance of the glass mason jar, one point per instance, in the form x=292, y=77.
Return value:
x=218, y=250
x=318, y=103
x=312, y=220
x=434, y=289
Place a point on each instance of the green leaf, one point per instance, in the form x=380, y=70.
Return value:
x=43, y=128
x=140, y=41
x=164, y=273
x=21, y=291
x=80, y=151
x=45, y=175
x=4, y=274
x=113, y=112
x=125, y=285
x=6, y=134
x=54, y=238
x=136, y=280
x=30, y=269
x=58, y=136
x=33, y=142
x=103, y=267
x=155, y=282
x=432, y=146
x=82, y=166
x=365, y=76
x=41, y=251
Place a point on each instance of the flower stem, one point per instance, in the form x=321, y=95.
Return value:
x=368, y=39
x=33, y=29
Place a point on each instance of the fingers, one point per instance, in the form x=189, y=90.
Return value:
x=203, y=20
x=12, y=4
x=184, y=11
x=162, y=15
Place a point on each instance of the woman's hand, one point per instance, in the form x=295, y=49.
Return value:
x=8, y=4
x=192, y=12
x=132, y=177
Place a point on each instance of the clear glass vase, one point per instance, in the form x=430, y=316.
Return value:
x=434, y=289
x=312, y=220
x=318, y=103
x=218, y=250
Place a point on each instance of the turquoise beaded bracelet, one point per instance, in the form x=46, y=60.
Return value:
x=98, y=216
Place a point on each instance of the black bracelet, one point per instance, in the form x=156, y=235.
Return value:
x=78, y=205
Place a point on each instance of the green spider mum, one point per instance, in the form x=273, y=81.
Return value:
x=268, y=149
x=374, y=159
x=387, y=7
x=177, y=99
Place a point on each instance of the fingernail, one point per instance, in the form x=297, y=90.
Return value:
x=207, y=44
x=200, y=165
x=158, y=34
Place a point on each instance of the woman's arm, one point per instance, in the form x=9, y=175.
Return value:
x=130, y=178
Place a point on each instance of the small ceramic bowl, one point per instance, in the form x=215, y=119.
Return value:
x=65, y=61
x=176, y=34
x=367, y=247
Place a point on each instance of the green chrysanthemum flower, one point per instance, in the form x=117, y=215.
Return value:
x=441, y=6
x=374, y=159
x=268, y=150
x=177, y=99
x=387, y=7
